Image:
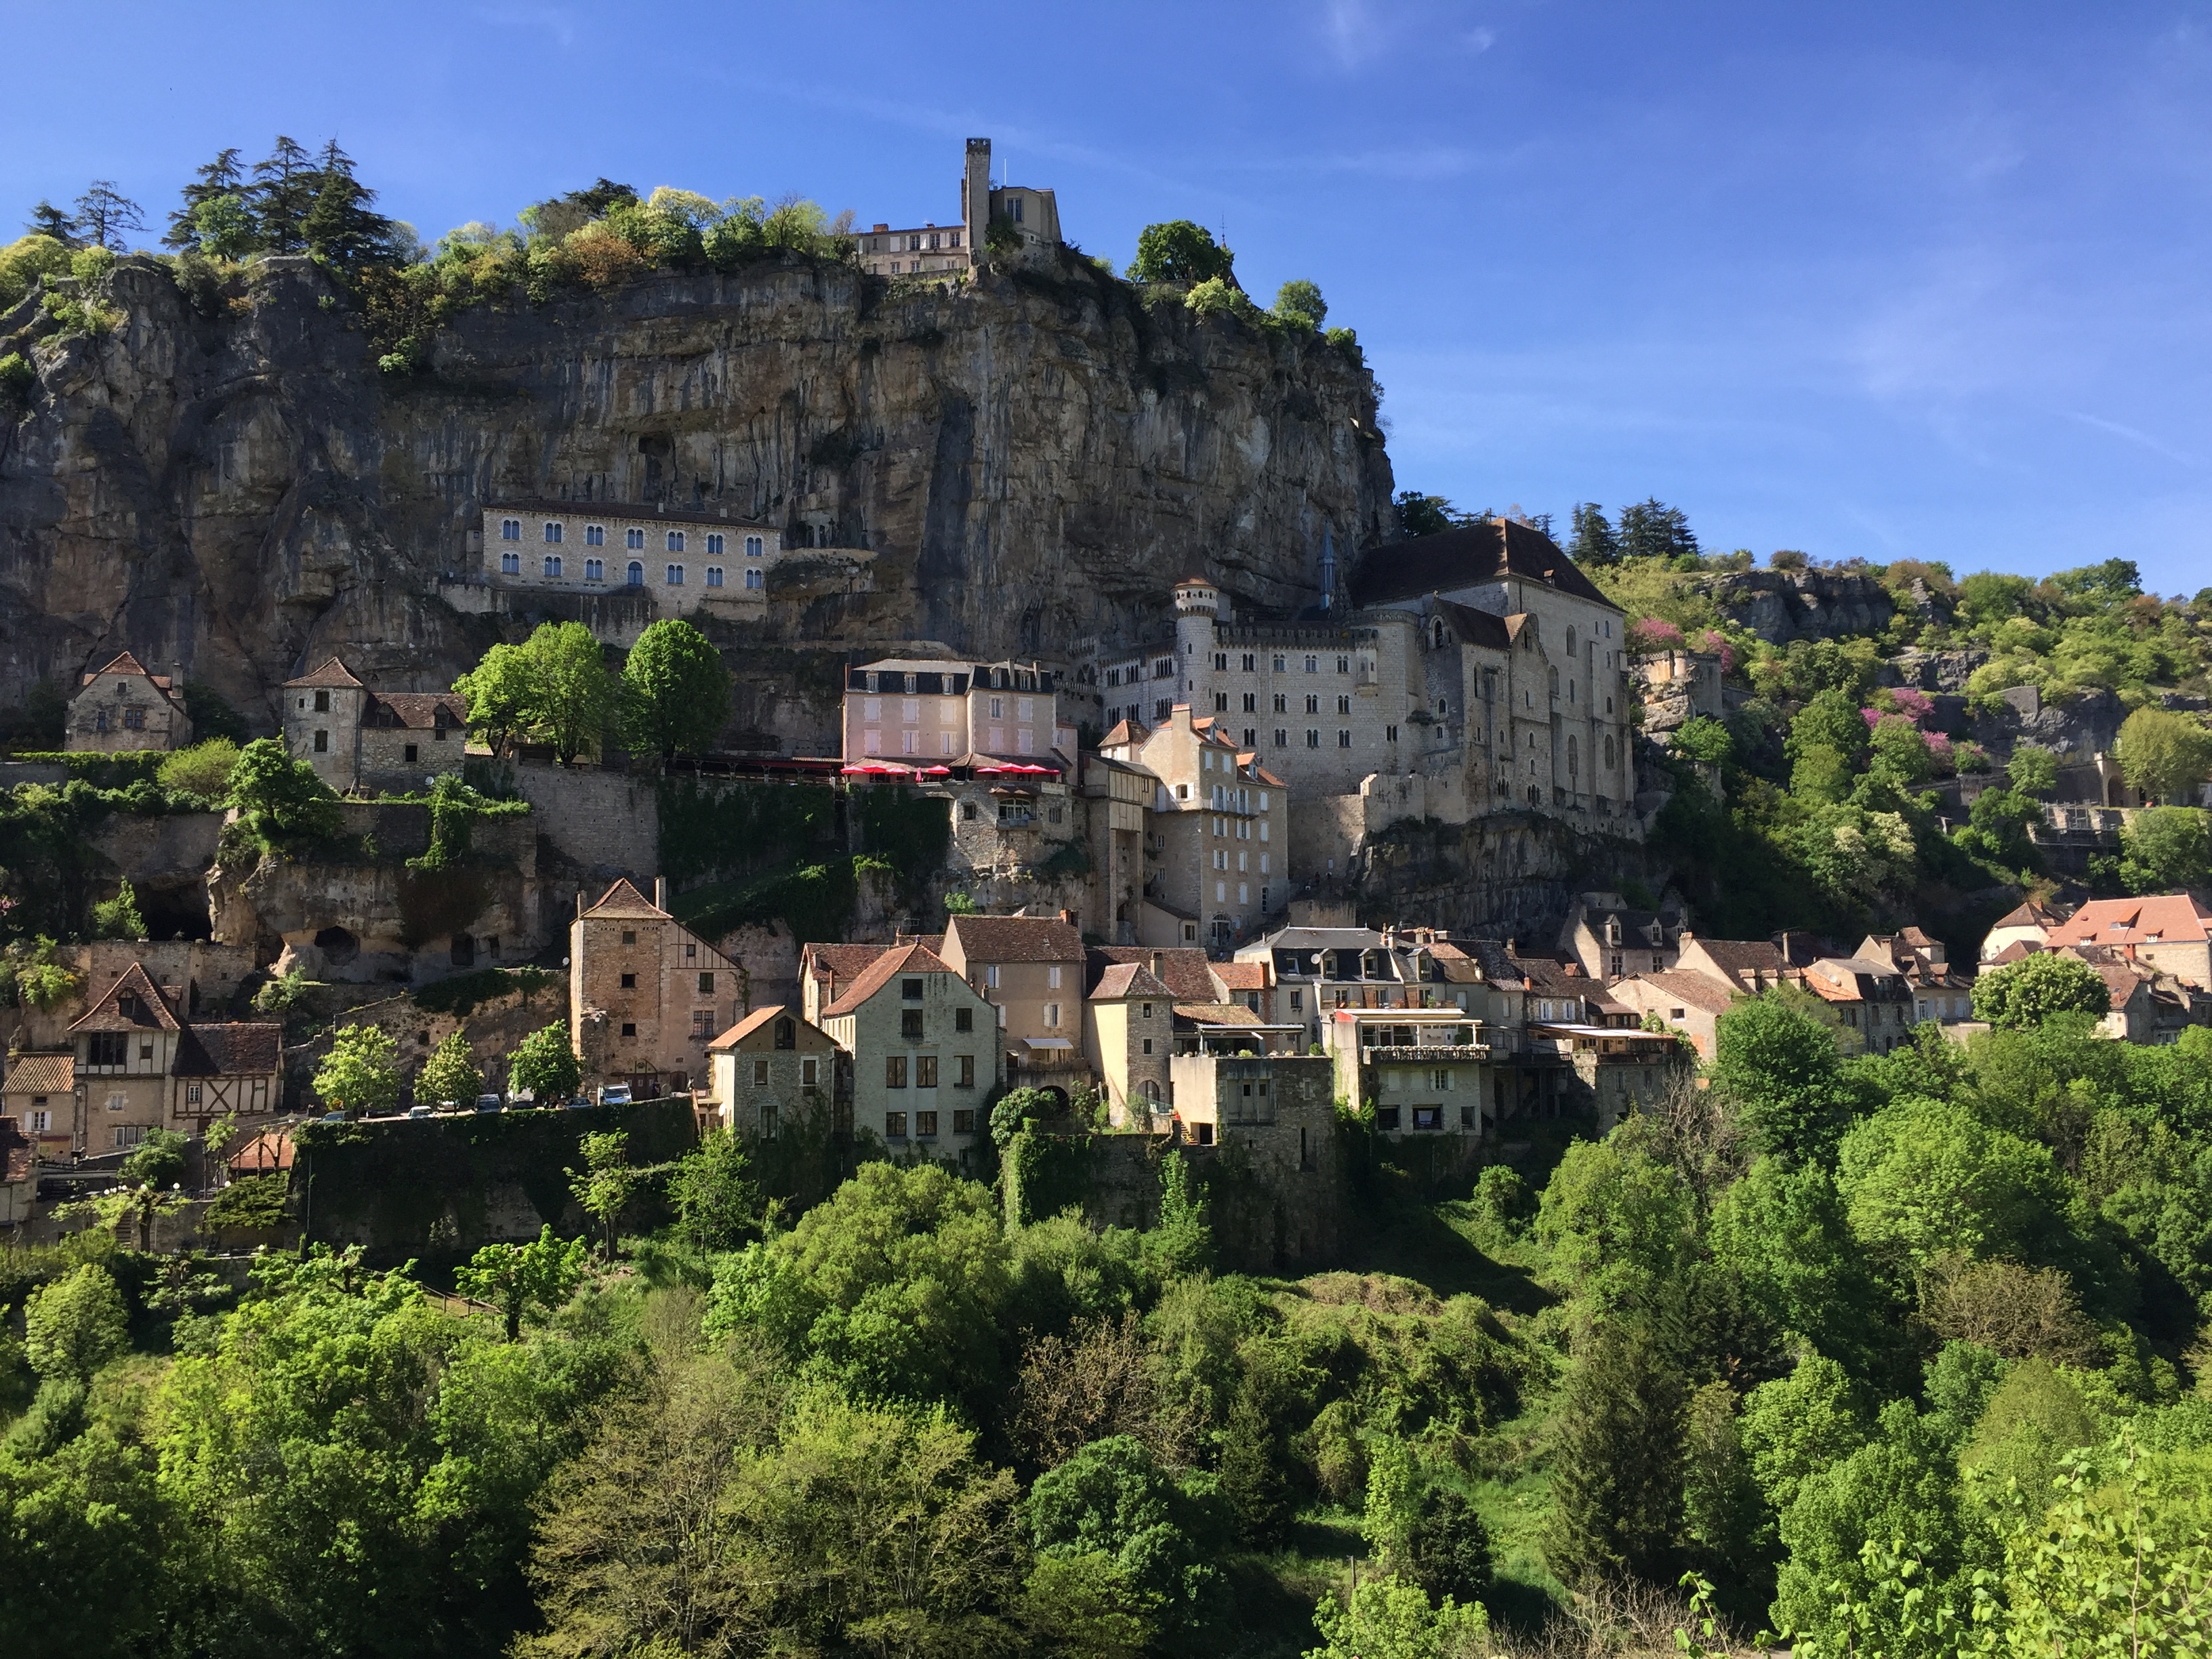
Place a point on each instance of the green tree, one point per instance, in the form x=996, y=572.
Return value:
x=450, y=1073
x=281, y=194
x=2023, y=995
x=157, y=1161
x=340, y=228
x=1798, y=1426
x=222, y=178
x=1299, y=303
x=1594, y=543
x=2166, y=848
x=1922, y=1179
x=1706, y=740
x=1617, y=1219
x=360, y=1076
x=2033, y=769
x=1778, y=1064
x=1112, y=1502
x=204, y=769
x=27, y=261
x=282, y=801
x=603, y=1186
x=118, y=917
x=2167, y=756
x=576, y=695
x=716, y=1201
x=1650, y=529
x=1427, y=515
x=51, y=223
x=76, y=1324
x=894, y=1287
x=1617, y=1469
x=2035, y=1418
x=1723, y=1512
x=1780, y=1232
x=523, y=1279
x=1182, y=1243
x=91, y=1546
x=503, y=696
x=1014, y=1107
x=543, y=1065
x=675, y=691
x=1179, y=251
x=1390, y=1618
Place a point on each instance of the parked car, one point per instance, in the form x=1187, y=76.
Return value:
x=615, y=1094
x=331, y=1117
x=418, y=1111
x=518, y=1099
x=488, y=1102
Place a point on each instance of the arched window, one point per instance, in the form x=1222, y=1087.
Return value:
x=555, y=531
x=753, y=581
x=1574, y=755
x=595, y=570
x=552, y=564
x=1440, y=634
x=1609, y=753
x=1570, y=641
x=510, y=564
x=715, y=544
x=754, y=546
x=510, y=530
x=674, y=541
x=636, y=577
x=714, y=572
x=633, y=538
x=595, y=535
x=787, y=1034
x=676, y=575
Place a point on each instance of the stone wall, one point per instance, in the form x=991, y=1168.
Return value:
x=606, y=824
x=441, y=1187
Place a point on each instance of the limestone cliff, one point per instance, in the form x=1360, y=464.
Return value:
x=227, y=484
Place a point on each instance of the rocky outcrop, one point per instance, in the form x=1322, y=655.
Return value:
x=1781, y=606
x=227, y=485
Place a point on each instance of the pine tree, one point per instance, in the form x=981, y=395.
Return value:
x=1251, y=1471
x=1617, y=1480
x=339, y=227
x=221, y=177
x=1594, y=542
x=104, y=213
x=284, y=190
x=1652, y=530
x=47, y=219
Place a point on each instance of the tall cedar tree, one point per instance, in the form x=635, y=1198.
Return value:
x=284, y=189
x=222, y=177
x=1617, y=1480
x=104, y=213
x=339, y=227
x=47, y=219
x=1652, y=530
x=1594, y=542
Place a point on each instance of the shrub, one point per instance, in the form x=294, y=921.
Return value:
x=1179, y=251
x=25, y=261
x=118, y=917
x=1298, y=304
x=204, y=769
x=2026, y=993
x=77, y=1324
x=157, y=1161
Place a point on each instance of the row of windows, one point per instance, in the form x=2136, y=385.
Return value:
x=595, y=535
x=925, y=1124
x=595, y=570
x=924, y=1072
x=1280, y=661
x=914, y=241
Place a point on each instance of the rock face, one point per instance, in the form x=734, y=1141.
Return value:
x=228, y=485
x=1781, y=606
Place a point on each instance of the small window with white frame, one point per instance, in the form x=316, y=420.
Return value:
x=755, y=546
x=675, y=577
x=674, y=541
x=510, y=564
x=595, y=535
x=715, y=544
x=555, y=531
x=553, y=564
x=714, y=574
x=510, y=530
x=595, y=570
x=635, y=575
x=755, y=580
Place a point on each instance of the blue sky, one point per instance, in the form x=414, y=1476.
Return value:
x=1868, y=279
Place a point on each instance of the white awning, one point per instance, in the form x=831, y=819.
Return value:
x=1046, y=1043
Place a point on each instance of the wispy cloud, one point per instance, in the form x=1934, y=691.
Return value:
x=558, y=22
x=1352, y=31
x=2138, y=437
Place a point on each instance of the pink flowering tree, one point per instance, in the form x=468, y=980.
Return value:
x=1650, y=634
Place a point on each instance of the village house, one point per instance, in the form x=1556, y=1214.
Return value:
x=927, y=717
x=1426, y=1071
x=1938, y=994
x=645, y=995
x=1752, y=966
x=926, y=1052
x=677, y=559
x=40, y=1092
x=2028, y=924
x=1317, y=970
x=1030, y=969
x=123, y=706
x=770, y=1069
x=139, y=1064
x=1028, y=215
x=2169, y=931
x=1609, y=939
x=1216, y=838
x=1128, y=1032
x=1684, y=1001
x=362, y=740
x=1871, y=999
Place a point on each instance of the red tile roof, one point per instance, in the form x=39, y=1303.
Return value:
x=1012, y=939
x=333, y=673
x=419, y=710
x=1241, y=976
x=901, y=959
x=623, y=902
x=2162, y=918
x=1128, y=980
x=1183, y=968
x=1692, y=990
x=243, y=1050
x=127, y=664
x=40, y=1074
x=152, y=1008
